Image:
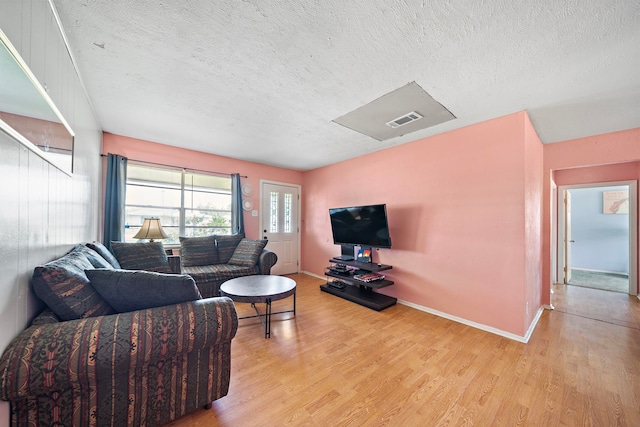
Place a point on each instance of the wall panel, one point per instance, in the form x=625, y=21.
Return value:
x=44, y=210
x=456, y=206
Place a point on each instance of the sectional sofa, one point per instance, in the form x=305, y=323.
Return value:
x=117, y=347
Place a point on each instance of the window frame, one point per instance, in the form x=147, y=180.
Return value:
x=185, y=188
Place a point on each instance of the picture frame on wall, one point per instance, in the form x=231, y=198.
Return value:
x=615, y=202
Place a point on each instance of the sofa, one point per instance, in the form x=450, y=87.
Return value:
x=212, y=260
x=116, y=347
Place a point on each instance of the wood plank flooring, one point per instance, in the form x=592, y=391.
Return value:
x=607, y=306
x=339, y=364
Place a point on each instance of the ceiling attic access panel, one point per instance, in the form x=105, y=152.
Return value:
x=401, y=112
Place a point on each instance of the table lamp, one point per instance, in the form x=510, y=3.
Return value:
x=151, y=229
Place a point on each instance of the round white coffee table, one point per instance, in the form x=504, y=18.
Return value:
x=260, y=289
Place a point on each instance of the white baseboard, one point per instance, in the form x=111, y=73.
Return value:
x=534, y=323
x=314, y=275
x=522, y=339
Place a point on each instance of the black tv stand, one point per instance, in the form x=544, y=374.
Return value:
x=357, y=291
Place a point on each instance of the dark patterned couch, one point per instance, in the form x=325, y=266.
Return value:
x=82, y=363
x=212, y=260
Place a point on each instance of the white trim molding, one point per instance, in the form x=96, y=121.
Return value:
x=523, y=339
x=314, y=275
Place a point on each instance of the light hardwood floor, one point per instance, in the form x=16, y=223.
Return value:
x=607, y=306
x=339, y=364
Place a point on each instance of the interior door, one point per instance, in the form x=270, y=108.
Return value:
x=567, y=236
x=280, y=224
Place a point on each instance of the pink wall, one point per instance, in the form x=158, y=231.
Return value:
x=593, y=174
x=470, y=211
x=456, y=205
x=158, y=153
x=533, y=160
x=601, y=158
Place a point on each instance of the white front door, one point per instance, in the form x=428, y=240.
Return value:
x=279, y=224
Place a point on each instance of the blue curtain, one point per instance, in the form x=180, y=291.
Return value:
x=114, y=199
x=237, y=216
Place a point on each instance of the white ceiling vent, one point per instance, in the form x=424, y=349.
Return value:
x=404, y=119
x=370, y=119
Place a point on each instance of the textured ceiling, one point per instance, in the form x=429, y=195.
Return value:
x=263, y=80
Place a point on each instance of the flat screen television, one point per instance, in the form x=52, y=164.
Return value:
x=360, y=226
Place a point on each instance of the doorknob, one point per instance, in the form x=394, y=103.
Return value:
x=571, y=241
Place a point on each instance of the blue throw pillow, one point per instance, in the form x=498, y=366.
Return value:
x=104, y=253
x=94, y=257
x=63, y=285
x=226, y=245
x=149, y=256
x=127, y=290
x=200, y=250
x=247, y=252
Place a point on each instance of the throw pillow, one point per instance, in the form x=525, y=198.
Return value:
x=148, y=256
x=64, y=287
x=127, y=290
x=198, y=251
x=94, y=257
x=227, y=245
x=104, y=253
x=247, y=252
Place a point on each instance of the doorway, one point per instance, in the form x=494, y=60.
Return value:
x=591, y=259
x=280, y=224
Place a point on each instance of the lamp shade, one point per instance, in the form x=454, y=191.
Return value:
x=151, y=229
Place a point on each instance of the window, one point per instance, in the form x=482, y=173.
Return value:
x=187, y=203
x=287, y=212
x=273, y=212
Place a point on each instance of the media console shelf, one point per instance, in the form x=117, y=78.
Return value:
x=358, y=291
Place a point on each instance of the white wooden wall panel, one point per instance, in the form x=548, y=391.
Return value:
x=44, y=211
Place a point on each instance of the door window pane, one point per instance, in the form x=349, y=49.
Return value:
x=273, y=212
x=287, y=213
